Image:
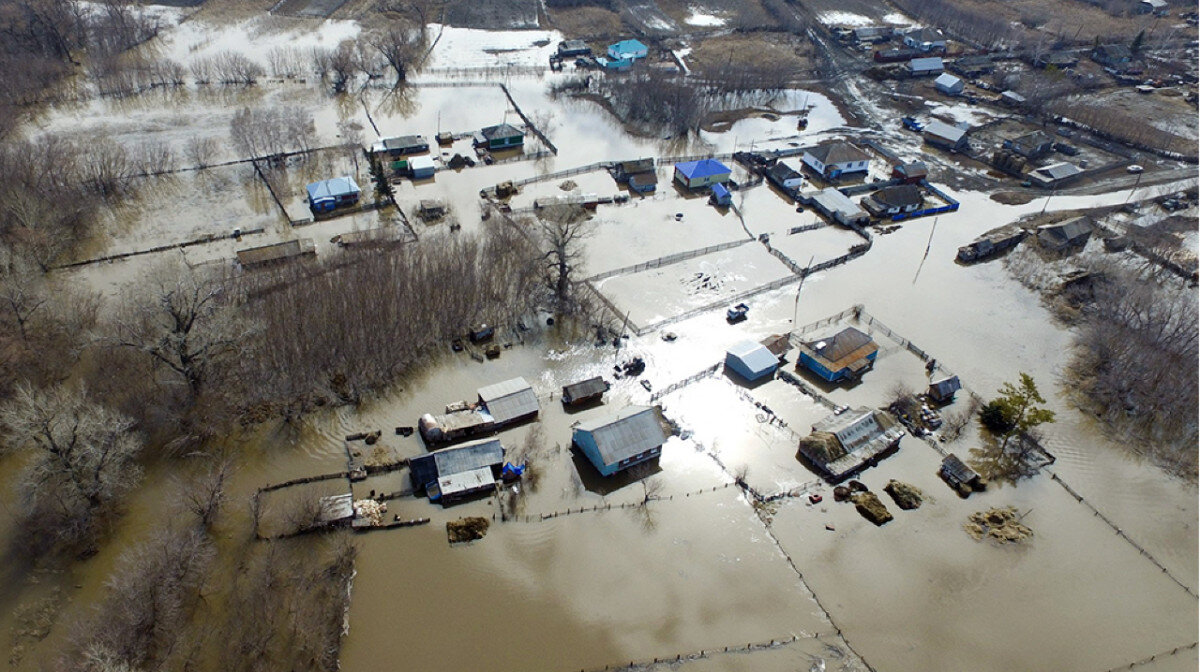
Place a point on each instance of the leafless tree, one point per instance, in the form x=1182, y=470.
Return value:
x=200, y=150
x=82, y=458
x=564, y=229
x=400, y=47
x=652, y=486
x=271, y=132
x=203, y=495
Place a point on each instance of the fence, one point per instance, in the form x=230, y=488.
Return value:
x=807, y=227
x=668, y=259
x=670, y=160
x=563, y=173
x=211, y=238
x=771, y=286
x=710, y=371
x=528, y=122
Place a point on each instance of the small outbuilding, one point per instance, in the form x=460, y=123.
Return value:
x=632, y=436
x=942, y=391
x=327, y=195
x=973, y=66
x=925, y=67
x=421, y=167
x=584, y=392
x=510, y=401
x=721, y=195
x=949, y=84
x=639, y=174
x=940, y=134
x=400, y=146
x=1012, y=99
x=839, y=207
x=701, y=173
x=568, y=48
x=750, y=360
x=1032, y=146
x=910, y=173
x=1159, y=7
x=1055, y=174
x=959, y=476
x=453, y=473
x=276, y=252
x=893, y=200
x=844, y=356
x=784, y=176
x=778, y=344
x=1064, y=235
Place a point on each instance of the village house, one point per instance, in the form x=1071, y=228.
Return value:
x=509, y=402
x=569, y=48
x=940, y=134
x=949, y=84
x=928, y=40
x=750, y=360
x=327, y=195
x=640, y=175
x=584, y=392
x=721, y=195
x=942, y=391
x=702, y=173
x=914, y=172
x=836, y=158
x=925, y=67
x=502, y=136
x=972, y=66
x=1112, y=55
x=1065, y=235
x=1055, y=174
x=1012, y=99
x=400, y=146
x=959, y=476
x=276, y=252
x=421, y=167
x=784, y=176
x=844, y=356
x=893, y=200
x=1032, y=146
x=843, y=444
x=632, y=436
x=1060, y=60
x=451, y=474
x=839, y=207
x=630, y=50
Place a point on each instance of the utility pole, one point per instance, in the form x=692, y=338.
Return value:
x=796, y=310
x=1135, y=186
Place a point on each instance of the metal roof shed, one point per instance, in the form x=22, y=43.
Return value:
x=428, y=468
x=751, y=360
x=509, y=401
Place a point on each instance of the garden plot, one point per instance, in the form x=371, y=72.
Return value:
x=473, y=48
x=667, y=291
x=646, y=229
x=823, y=244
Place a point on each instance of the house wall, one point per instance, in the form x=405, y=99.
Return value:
x=586, y=443
x=697, y=182
x=817, y=368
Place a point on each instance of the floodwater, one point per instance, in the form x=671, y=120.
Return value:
x=698, y=568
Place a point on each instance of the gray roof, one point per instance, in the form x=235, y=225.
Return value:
x=468, y=457
x=1066, y=231
x=838, y=152
x=755, y=356
x=405, y=142
x=833, y=200
x=947, y=80
x=944, y=131
x=913, y=168
x=945, y=387
x=781, y=171
x=501, y=131
x=898, y=196
x=956, y=469
x=1059, y=171
x=509, y=400
x=585, y=388
x=632, y=431
x=926, y=35
x=926, y=64
x=1013, y=96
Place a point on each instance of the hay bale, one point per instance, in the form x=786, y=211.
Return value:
x=568, y=185
x=841, y=493
x=871, y=508
x=1001, y=524
x=906, y=496
x=822, y=447
x=466, y=529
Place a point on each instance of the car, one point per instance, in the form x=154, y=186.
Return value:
x=1135, y=168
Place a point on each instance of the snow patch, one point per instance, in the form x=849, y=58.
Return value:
x=898, y=19
x=474, y=48
x=843, y=19
x=700, y=17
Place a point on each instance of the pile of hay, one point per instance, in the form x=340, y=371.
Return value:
x=907, y=496
x=370, y=510
x=1000, y=524
x=871, y=508
x=822, y=447
x=466, y=529
x=568, y=185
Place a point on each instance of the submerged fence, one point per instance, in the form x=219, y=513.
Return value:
x=668, y=259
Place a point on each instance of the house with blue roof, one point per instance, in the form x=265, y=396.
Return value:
x=327, y=195
x=721, y=195
x=627, y=50
x=702, y=173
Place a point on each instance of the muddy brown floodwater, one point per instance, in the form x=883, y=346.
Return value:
x=588, y=574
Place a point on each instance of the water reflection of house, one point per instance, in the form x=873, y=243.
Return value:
x=844, y=356
x=843, y=444
x=451, y=474
x=632, y=436
x=750, y=360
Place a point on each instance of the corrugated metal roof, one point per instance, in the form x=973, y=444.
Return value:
x=838, y=152
x=833, y=200
x=332, y=188
x=946, y=387
x=841, y=345
x=941, y=129
x=947, y=81
x=336, y=507
x=585, y=388
x=754, y=356
x=926, y=64
x=956, y=469
x=632, y=431
x=466, y=481
x=509, y=399
x=468, y=456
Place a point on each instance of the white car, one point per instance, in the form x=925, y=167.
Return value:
x=1135, y=168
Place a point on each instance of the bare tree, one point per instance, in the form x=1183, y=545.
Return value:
x=564, y=229
x=652, y=486
x=400, y=47
x=82, y=457
x=200, y=150
x=204, y=494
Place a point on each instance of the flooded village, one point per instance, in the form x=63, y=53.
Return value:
x=599, y=335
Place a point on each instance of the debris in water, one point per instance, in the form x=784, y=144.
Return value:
x=907, y=496
x=871, y=508
x=466, y=529
x=370, y=510
x=1001, y=524
x=568, y=185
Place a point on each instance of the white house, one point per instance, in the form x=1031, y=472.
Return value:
x=949, y=84
x=925, y=39
x=833, y=159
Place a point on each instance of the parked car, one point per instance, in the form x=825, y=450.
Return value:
x=1135, y=168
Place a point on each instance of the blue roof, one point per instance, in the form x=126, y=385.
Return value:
x=332, y=188
x=627, y=46
x=701, y=168
x=720, y=191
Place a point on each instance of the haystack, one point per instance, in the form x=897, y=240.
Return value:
x=871, y=508
x=907, y=496
x=466, y=529
x=822, y=447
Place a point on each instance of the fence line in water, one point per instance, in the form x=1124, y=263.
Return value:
x=704, y=654
x=1151, y=659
